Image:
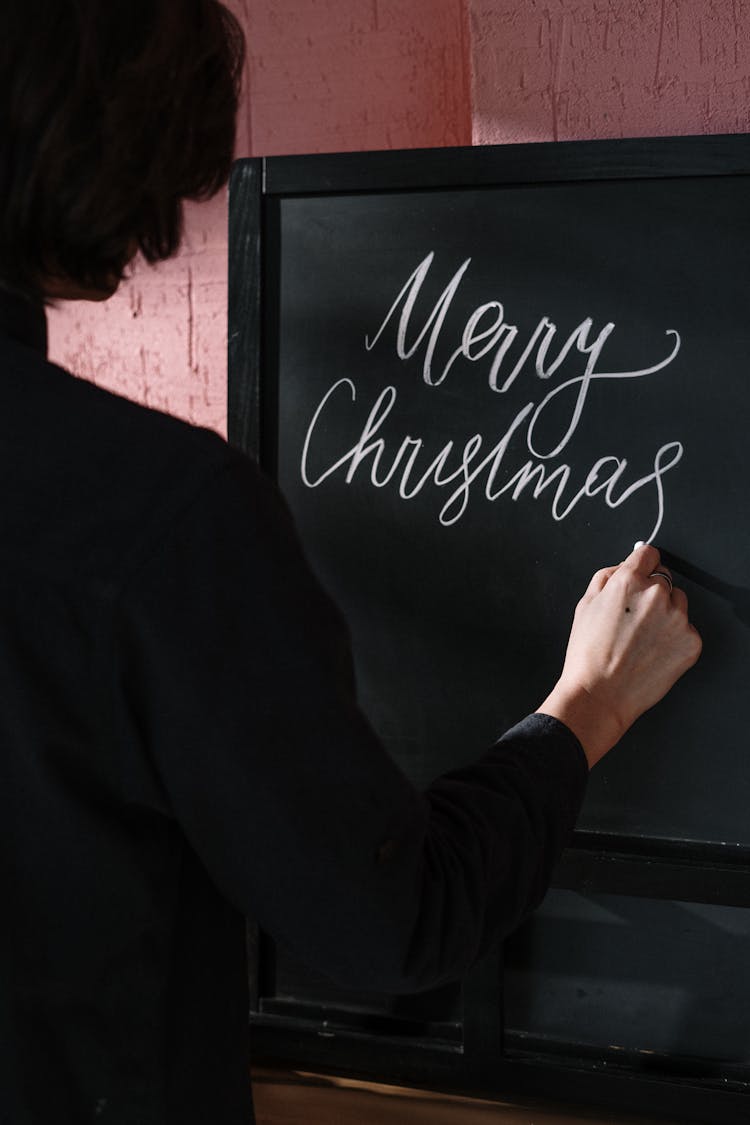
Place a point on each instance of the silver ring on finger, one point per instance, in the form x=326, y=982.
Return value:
x=663, y=574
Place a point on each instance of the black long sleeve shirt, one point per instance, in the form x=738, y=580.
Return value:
x=180, y=747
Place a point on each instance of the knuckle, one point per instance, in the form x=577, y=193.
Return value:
x=678, y=602
x=622, y=576
x=653, y=593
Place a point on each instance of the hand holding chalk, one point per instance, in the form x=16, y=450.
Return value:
x=629, y=643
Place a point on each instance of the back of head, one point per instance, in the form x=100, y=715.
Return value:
x=112, y=113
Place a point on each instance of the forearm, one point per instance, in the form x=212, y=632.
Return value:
x=495, y=831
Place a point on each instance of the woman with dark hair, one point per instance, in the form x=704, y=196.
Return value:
x=179, y=740
x=112, y=115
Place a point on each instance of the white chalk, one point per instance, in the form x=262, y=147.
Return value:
x=640, y=543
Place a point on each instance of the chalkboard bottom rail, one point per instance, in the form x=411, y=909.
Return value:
x=518, y=1046
x=331, y=1021
x=715, y=875
x=706, y=1073
x=662, y=847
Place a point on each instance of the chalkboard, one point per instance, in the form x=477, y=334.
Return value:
x=478, y=376
x=483, y=395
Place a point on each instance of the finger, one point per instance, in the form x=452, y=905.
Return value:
x=662, y=576
x=599, y=581
x=643, y=560
x=697, y=642
x=679, y=600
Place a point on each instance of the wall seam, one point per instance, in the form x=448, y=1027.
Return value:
x=467, y=53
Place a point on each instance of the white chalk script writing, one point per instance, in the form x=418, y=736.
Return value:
x=547, y=424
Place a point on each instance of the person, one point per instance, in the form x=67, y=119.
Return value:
x=181, y=744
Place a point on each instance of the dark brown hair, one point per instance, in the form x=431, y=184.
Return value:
x=112, y=112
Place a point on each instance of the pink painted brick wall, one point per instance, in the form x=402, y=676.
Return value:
x=356, y=74
x=161, y=340
x=556, y=70
x=334, y=75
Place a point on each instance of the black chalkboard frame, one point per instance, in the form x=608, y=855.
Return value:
x=676, y=870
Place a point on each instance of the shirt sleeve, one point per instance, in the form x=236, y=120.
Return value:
x=234, y=669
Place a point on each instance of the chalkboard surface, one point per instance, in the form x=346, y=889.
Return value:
x=483, y=396
x=478, y=376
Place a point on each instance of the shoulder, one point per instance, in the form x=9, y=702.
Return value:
x=158, y=472
x=107, y=476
